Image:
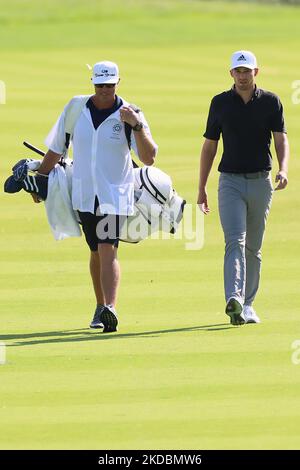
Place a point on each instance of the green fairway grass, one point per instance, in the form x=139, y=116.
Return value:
x=176, y=375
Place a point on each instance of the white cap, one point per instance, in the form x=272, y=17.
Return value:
x=105, y=72
x=243, y=59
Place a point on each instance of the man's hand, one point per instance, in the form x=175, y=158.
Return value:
x=129, y=115
x=282, y=178
x=202, y=201
x=35, y=197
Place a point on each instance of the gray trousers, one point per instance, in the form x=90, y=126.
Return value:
x=244, y=204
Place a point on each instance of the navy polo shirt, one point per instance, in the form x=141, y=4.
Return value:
x=245, y=129
x=99, y=115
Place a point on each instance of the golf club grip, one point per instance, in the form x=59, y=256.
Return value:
x=33, y=148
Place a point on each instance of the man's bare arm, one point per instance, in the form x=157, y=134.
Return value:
x=48, y=163
x=208, y=153
x=145, y=144
x=283, y=152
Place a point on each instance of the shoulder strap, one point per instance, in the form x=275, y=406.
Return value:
x=128, y=131
x=128, y=128
x=73, y=111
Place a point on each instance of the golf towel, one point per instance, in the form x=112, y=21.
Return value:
x=61, y=216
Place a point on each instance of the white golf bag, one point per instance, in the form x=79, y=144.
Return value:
x=157, y=206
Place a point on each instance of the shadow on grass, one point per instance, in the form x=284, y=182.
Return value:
x=86, y=334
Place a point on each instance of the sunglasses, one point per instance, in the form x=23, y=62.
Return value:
x=108, y=85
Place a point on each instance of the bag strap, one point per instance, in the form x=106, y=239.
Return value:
x=128, y=132
x=73, y=111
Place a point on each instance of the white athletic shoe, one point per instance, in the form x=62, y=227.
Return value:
x=250, y=315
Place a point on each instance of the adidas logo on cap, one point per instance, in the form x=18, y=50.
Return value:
x=243, y=59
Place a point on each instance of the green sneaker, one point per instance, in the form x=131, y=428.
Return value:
x=234, y=310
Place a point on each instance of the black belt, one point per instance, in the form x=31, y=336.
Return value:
x=252, y=176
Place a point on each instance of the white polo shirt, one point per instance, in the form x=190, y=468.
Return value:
x=102, y=164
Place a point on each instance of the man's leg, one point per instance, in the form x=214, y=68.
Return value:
x=89, y=222
x=233, y=214
x=95, y=275
x=109, y=272
x=104, y=267
x=95, y=271
x=107, y=232
x=259, y=201
x=110, y=278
